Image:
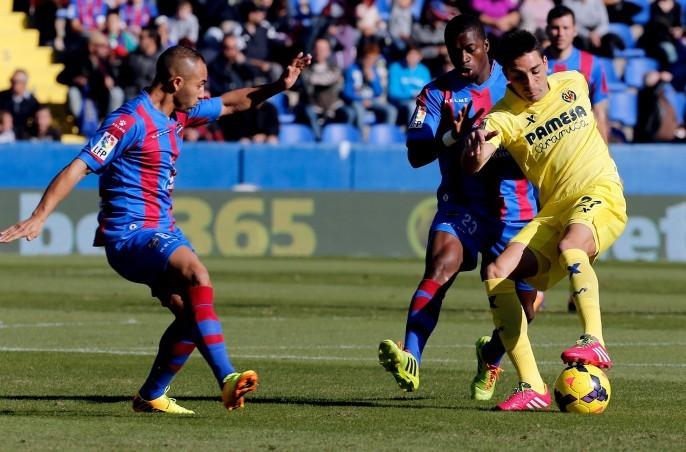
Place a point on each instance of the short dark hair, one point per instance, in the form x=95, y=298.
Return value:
x=170, y=59
x=460, y=24
x=518, y=43
x=560, y=11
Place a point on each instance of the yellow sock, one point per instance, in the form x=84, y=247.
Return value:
x=510, y=321
x=585, y=290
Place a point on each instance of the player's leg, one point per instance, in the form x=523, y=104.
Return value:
x=576, y=248
x=594, y=222
x=515, y=263
x=175, y=347
x=443, y=261
x=186, y=270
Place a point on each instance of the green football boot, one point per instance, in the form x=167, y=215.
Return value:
x=401, y=364
x=483, y=384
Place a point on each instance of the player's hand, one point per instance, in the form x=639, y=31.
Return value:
x=476, y=140
x=463, y=123
x=292, y=72
x=30, y=228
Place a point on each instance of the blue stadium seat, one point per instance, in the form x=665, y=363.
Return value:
x=636, y=69
x=623, y=108
x=417, y=7
x=280, y=101
x=295, y=133
x=643, y=16
x=624, y=33
x=334, y=133
x=385, y=134
x=609, y=68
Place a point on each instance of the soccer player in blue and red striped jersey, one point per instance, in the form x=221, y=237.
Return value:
x=563, y=56
x=475, y=214
x=134, y=152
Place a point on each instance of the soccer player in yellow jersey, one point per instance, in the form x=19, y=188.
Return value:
x=547, y=124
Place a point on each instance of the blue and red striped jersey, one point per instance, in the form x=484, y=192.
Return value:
x=588, y=65
x=499, y=190
x=135, y=151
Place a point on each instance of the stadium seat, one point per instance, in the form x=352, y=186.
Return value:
x=337, y=132
x=609, y=68
x=678, y=102
x=623, y=31
x=295, y=133
x=280, y=101
x=385, y=134
x=643, y=16
x=623, y=108
x=636, y=69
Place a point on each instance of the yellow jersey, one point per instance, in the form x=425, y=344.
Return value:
x=554, y=140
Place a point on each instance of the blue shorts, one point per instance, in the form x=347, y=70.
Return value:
x=143, y=257
x=478, y=235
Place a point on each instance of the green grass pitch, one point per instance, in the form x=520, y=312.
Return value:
x=76, y=341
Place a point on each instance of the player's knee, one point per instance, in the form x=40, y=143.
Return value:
x=200, y=276
x=443, y=268
x=173, y=302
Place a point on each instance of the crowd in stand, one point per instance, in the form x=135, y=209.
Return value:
x=371, y=57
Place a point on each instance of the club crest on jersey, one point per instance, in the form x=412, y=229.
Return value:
x=418, y=118
x=104, y=147
x=569, y=96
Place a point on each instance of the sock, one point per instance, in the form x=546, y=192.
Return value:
x=209, y=337
x=585, y=290
x=510, y=322
x=494, y=350
x=422, y=316
x=174, y=350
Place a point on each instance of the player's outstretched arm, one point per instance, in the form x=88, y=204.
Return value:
x=59, y=188
x=245, y=98
x=477, y=150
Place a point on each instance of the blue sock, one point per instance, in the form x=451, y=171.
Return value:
x=175, y=348
x=422, y=317
x=209, y=337
x=494, y=350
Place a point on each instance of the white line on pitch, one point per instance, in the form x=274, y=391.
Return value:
x=64, y=324
x=283, y=357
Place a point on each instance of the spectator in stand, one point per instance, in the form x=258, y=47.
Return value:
x=228, y=72
x=621, y=12
x=534, y=15
x=400, y=24
x=592, y=24
x=368, y=20
x=428, y=33
x=19, y=101
x=657, y=121
x=498, y=16
x=322, y=83
x=163, y=31
x=41, y=128
x=121, y=41
x=184, y=28
x=93, y=90
x=563, y=56
x=137, y=14
x=7, y=135
x=363, y=88
x=139, y=70
x=87, y=15
x=661, y=38
x=258, y=37
x=406, y=80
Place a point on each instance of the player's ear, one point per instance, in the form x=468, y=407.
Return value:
x=177, y=83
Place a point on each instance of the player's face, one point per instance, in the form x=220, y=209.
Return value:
x=469, y=54
x=191, y=88
x=561, y=32
x=527, y=76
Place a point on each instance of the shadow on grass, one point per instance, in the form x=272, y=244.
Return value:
x=381, y=402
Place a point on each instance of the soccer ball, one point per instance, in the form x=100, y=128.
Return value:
x=582, y=389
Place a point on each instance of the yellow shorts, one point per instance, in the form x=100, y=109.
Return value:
x=601, y=207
